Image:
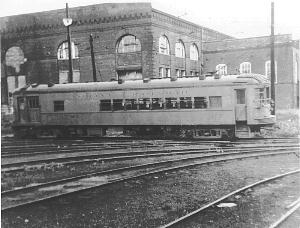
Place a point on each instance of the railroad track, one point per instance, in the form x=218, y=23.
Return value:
x=17, y=151
x=84, y=157
x=179, y=221
x=87, y=158
x=22, y=197
x=67, y=148
x=44, y=143
x=293, y=207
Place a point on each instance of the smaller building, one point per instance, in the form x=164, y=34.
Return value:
x=252, y=55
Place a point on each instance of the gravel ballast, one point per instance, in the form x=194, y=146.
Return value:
x=259, y=206
x=153, y=200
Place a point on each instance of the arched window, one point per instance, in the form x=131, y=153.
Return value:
x=245, y=68
x=268, y=70
x=194, y=54
x=179, y=49
x=129, y=43
x=164, y=46
x=14, y=58
x=63, y=51
x=221, y=69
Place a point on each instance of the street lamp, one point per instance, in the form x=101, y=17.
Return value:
x=68, y=22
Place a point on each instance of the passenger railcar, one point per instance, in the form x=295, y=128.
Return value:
x=199, y=107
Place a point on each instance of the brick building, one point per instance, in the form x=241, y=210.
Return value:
x=232, y=56
x=131, y=41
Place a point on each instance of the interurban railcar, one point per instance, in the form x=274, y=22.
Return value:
x=199, y=107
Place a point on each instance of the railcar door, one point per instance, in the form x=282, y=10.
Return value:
x=240, y=107
x=33, y=109
x=22, y=114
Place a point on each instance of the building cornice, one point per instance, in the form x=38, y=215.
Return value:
x=50, y=21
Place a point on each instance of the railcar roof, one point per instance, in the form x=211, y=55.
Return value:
x=153, y=83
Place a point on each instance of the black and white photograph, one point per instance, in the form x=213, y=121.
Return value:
x=150, y=113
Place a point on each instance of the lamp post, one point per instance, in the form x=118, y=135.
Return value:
x=68, y=22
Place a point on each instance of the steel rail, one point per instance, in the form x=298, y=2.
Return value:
x=37, y=143
x=125, y=168
x=54, y=147
x=181, y=219
x=55, y=143
x=82, y=148
x=56, y=151
x=70, y=148
x=21, y=145
x=132, y=143
x=285, y=216
x=93, y=156
x=214, y=154
x=118, y=180
x=108, y=138
x=76, y=159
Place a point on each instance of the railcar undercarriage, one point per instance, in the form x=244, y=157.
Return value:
x=156, y=132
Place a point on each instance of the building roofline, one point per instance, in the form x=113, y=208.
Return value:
x=248, y=38
x=190, y=23
x=82, y=14
x=72, y=8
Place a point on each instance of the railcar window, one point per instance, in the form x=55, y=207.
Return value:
x=131, y=104
x=200, y=102
x=21, y=103
x=268, y=92
x=260, y=96
x=33, y=102
x=157, y=103
x=185, y=102
x=144, y=103
x=59, y=106
x=260, y=93
x=215, y=102
x=240, y=96
x=213, y=132
x=118, y=104
x=171, y=103
x=105, y=105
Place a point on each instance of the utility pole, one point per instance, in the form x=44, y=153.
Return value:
x=93, y=58
x=67, y=22
x=272, y=61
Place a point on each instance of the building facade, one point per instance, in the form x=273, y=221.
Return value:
x=248, y=55
x=130, y=41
